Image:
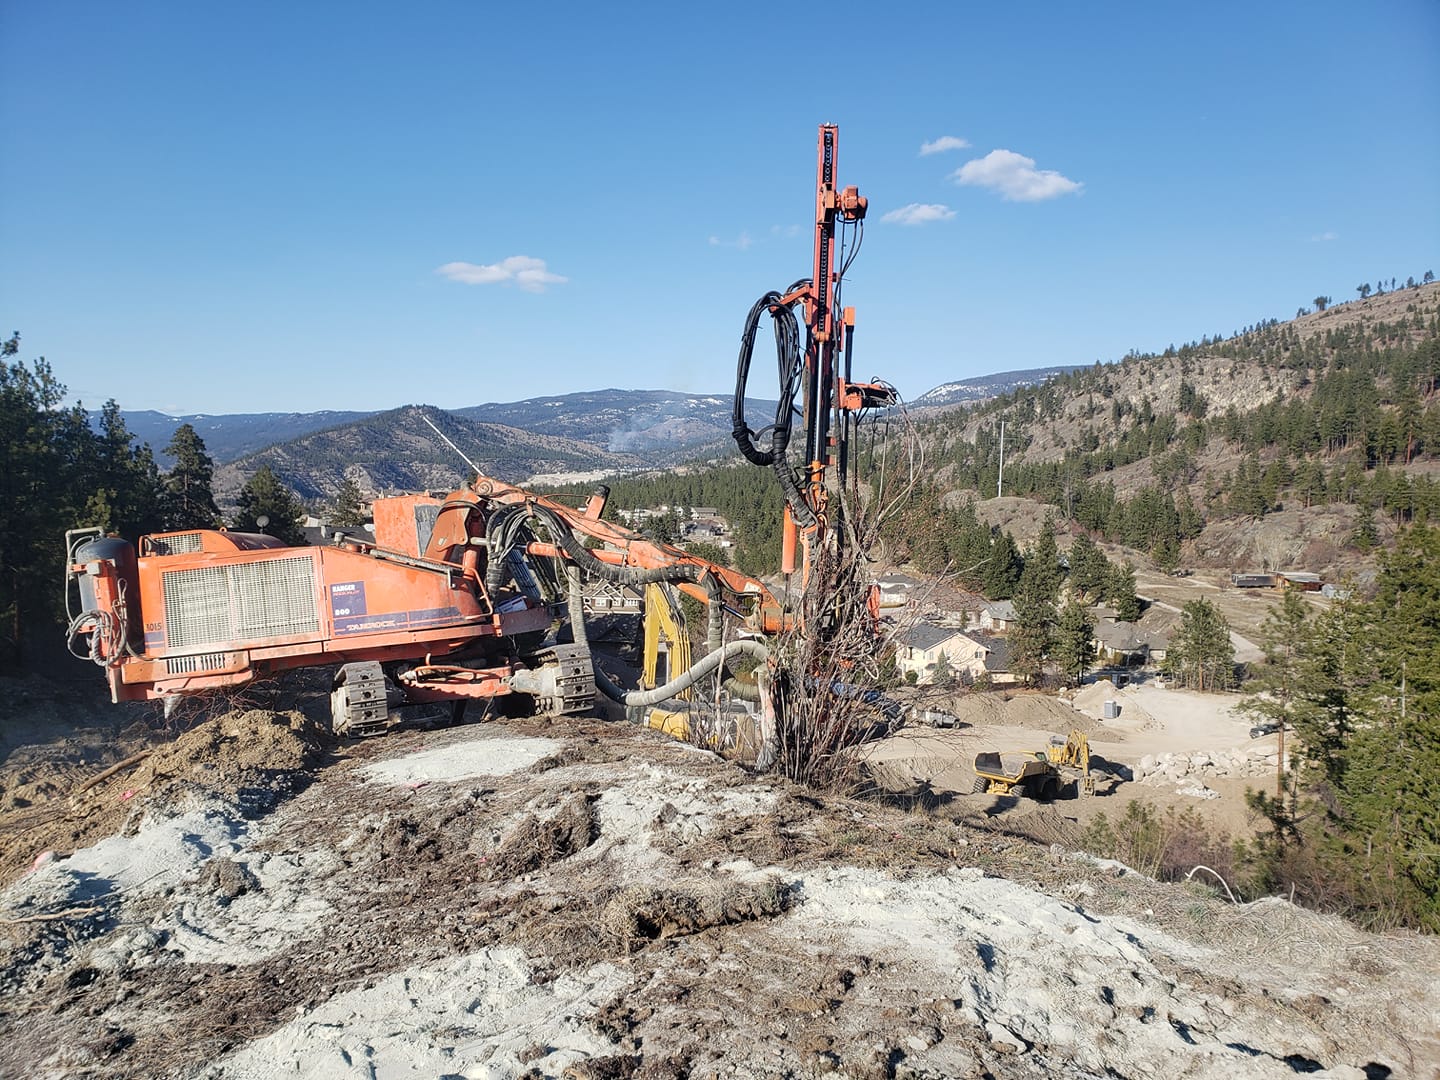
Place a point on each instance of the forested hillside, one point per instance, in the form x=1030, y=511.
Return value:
x=1339, y=407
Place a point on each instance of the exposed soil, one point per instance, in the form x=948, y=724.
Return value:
x=586, y=899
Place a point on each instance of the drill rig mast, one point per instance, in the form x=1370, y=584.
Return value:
x=829, y=402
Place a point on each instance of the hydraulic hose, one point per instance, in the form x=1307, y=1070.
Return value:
x=697, y=671
x=684, y=680
x=624, y=575
x=789, y=362
x=715, y=630
x=577, y=608
x=787, y=354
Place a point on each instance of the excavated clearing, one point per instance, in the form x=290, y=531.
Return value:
x=586, y=900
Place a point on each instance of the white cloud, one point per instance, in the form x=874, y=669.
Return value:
x=742, y=242
x=1324, y=237
x=943, y=143
x=528, y=273
x=1014, y=176
x=919, y=214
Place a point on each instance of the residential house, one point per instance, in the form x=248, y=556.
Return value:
x=997, y=657
x=919, y=649
x=1121, y=642
x=896, y=590
x=997, y=616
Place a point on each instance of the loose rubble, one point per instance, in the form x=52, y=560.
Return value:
x=536, y=900
x=1187, y=773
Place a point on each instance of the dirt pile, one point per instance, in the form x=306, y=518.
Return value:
x=251, y=758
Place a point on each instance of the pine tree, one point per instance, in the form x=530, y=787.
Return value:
x=1032, y=636
x=45, y=482
x=1277, y=686
x=1044, y=561
x=1166, y=553
x=1001, y=571
x=1120, y=591
x=1201, y=653
x=1364, y=537
x=347, y=508
x=124, y=481
x=942, y=671
x=1074, y=647
x=1089, y=569
x=265, y=496
x=188, y=501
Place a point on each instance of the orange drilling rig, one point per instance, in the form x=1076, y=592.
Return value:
x=478, y=595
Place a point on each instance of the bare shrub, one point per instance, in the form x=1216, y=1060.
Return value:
x=829, y=670
x=1164, y=846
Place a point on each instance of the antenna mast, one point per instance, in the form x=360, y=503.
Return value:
x=1000, y=483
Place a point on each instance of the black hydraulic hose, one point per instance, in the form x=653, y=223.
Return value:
x=624, y=575
x=787, y=353
x=501, y=533
x=789, y=362
x=794, y=497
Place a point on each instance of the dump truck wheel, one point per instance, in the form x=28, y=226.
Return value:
x=980, y=785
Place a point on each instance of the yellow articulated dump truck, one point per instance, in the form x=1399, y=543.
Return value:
x=1037, y=774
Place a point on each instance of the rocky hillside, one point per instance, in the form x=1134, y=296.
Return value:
x=398, y=451
x=1331, y=421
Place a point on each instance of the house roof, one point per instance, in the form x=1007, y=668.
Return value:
x=1156, y=639
x=1121, y=636
x=1001, y=609
x=925, y=636
x=897, y=578
x=997, y=652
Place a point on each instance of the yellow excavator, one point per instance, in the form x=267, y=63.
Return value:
x=1036, y=774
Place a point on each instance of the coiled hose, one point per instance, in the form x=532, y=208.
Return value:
x=789, y=361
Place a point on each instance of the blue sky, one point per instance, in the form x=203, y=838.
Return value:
x=278, y=206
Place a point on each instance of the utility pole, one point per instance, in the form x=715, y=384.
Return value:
x=1000, y=483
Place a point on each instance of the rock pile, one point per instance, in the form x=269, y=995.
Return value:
x=1188, y=772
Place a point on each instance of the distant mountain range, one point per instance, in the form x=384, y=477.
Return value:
x=232, y=435
x=625, y=421
x=398, y=451
x=592, y=430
